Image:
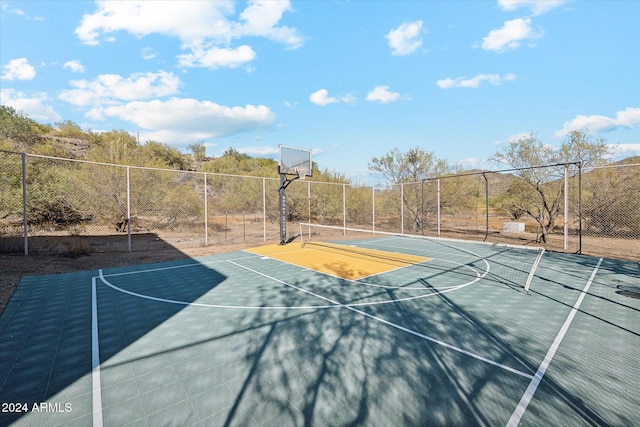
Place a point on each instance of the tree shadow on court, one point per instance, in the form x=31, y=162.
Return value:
x=451, y=359
x=589, y=376
x=361, y=366
x=327, y=356
x=561, y=405
x=613, y=288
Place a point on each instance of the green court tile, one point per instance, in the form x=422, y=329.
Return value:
x=127, y=412
x=157, y=379
x=204, y=381
x=178, y=415
x=35, y=376
x=213, y=402
x=62, y=377
x=166, y=395
x=279, y=416
x=67, y=357
x=115, y=372
x=193, y=365
x=113, y=394
x=144, y=363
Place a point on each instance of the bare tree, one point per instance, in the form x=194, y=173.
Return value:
x=538, y=192
x=414, y=166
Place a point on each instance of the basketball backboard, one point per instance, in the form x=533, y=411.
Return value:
x=295, y=161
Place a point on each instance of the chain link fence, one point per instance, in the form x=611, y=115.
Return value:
x=611, y=210
x=75, y=207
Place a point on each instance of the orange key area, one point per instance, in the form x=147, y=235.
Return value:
x=347, y=262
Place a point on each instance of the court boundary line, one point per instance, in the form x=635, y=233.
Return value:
x=526, y=398
x=393, y=325
x=96, y=384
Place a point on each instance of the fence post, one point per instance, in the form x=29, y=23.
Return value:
x=264, y=209
x=580, y=207
x=128, y=210
x=422, y=207
x=402, y=208
x=486, y=206
x=206, y=213
x=565, y=233
x=373, y=208
x=308, y=200
x=344, y=209
x=25, y=226
x=438, y=206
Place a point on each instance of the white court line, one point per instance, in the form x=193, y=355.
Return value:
x=248, y=307
x=393, y=325
x=537, y=378
x=173, y=267
x=95, y=358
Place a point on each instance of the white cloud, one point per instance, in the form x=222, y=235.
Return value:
x=5, y=8
x=382, y=94
x=511, y=35
x=474, y=82
x=110, y=88
x=189, y=21
x=261, y=18
x=261, y=151
x=349, y=98
x=179, y=119
x=18, y=69
x=519, y=136
x=75, y=66
x=624, y=150
x=537, y=7
x=148, y=53
x=628, y=118
x=405, y=39
x=474, y=163
x=215, y=57
x=321, y=97
x=34, y=106
x=205, y=28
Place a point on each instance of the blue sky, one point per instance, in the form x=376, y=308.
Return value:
x=349, y=79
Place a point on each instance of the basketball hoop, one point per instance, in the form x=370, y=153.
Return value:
x=295, y=163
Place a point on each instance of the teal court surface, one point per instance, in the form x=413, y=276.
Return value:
x=442, y=335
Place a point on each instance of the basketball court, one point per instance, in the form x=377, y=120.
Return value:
x=354, y=329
